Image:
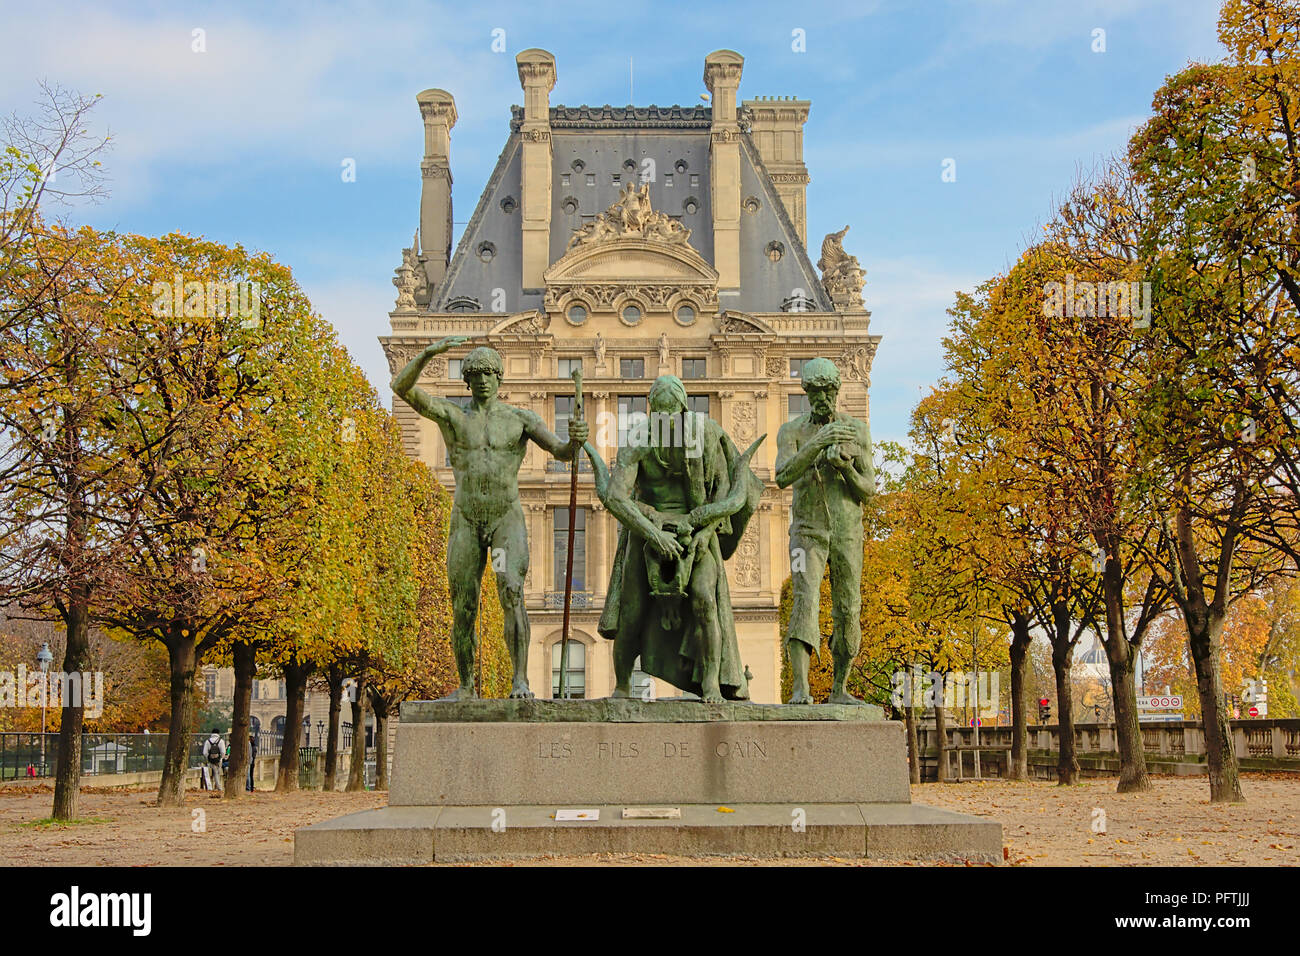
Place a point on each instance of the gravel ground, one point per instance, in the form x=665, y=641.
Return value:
x=1173, y=824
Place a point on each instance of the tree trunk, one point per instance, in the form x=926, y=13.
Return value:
x=381, y=743
x=1067, y=764
x=183, y=659
x=334, y=678
x=67, y=776
x=245, y=655
x=1120, y=657
x=1204, y=623
x=67, y=779
x=913, y=745
x=357, y=768
x=295, y=689
x=1204, y=631
x=941, y=730
x=1018, y=768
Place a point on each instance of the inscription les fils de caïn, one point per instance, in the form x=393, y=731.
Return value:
x=624, y=750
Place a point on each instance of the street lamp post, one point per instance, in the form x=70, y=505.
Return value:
x=43, y=658
x=320, y=732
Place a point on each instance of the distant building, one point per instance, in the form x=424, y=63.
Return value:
x=632, y=242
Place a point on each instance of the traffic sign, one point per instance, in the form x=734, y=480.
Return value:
x=1165, y=702
x=1254, y=711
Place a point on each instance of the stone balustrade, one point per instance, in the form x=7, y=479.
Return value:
x=1176, y=747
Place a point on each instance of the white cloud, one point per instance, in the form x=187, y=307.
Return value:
x=908, y=299
x=286, y=91
x=358, y=310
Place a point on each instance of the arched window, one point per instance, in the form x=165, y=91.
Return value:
x=576, y=688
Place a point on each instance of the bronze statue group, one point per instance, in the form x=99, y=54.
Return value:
x=682, y=506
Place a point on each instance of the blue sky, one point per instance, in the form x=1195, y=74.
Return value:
x=244, y=142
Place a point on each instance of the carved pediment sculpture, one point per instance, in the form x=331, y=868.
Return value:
x=842, y=275
x=630, y=217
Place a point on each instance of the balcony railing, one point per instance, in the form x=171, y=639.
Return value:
x=581, y=600
x=584, y=466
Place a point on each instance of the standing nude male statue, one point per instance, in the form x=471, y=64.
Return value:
x=486, y=442
x=827, y=457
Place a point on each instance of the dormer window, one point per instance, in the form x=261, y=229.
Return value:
x=464, y=303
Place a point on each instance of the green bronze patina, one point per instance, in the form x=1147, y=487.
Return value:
x=486, y=442
x=826, y=456
x=684, y=495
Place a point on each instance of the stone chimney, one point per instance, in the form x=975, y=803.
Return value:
x=537, y=77
x=722, y=77
x=776, y=125
x=438, y=110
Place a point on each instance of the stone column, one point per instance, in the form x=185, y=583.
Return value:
x=537, y=77
x=438, y=110
x=722, y=76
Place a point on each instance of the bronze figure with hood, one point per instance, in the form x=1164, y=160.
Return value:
x=684, y=495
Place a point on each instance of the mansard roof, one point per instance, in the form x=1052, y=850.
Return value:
x=596, y=150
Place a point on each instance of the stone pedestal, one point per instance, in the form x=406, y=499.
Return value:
x=485, y=779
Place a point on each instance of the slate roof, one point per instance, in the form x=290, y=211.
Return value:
x=590, y=146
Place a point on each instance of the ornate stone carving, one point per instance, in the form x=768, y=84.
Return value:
x=536, y=136
x=856, y=362
x=530, y=324
x=747, y=555
x=776, y=366
x=842, y=276
x=735, y=325
x=630, y=217
x=434, y=171
x=744, y=420
x=603, y=295
x=398, y=356
x=411, y=281
x=663, y=348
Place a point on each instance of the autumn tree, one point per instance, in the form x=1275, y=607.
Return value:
x=215, y=337
x=1220, y=356
x=1035, y=544
x=79, y=458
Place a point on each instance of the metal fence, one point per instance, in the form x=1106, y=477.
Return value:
x=22, y=755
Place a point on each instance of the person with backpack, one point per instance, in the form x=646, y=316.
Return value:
x=214, y=752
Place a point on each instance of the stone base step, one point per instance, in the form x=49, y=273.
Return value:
x=408, y=835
